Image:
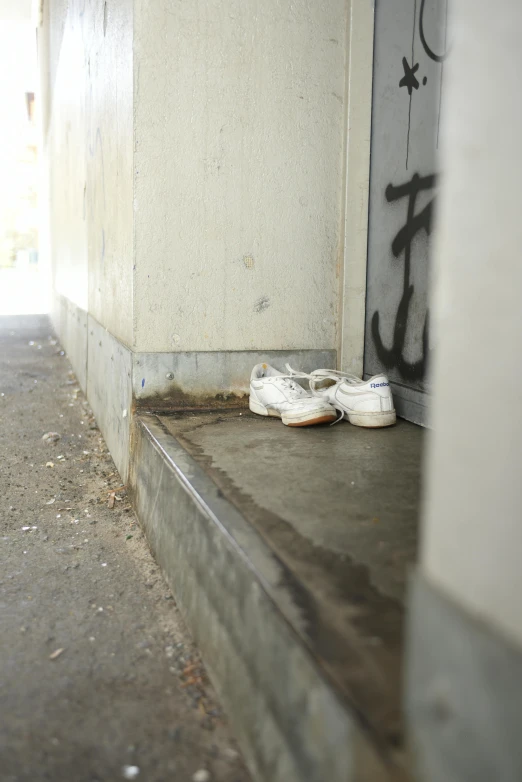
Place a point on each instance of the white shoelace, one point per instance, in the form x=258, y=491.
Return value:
x=294, y=389
x=299, y=392
x=324, y=374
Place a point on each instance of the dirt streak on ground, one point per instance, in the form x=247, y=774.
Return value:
x=98, y=675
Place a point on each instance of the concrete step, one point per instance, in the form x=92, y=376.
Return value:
x=288, y=551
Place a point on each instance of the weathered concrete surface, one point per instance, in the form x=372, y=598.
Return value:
x=239, y=175
x=406, y=113
x=210, y=380
x=195, y=159
x=472, y=536
x=304, y=627
x=71, y=323
x=464, y=690
x=88, y=152
x=345, y=490
x=109, y=390
x=114, y=696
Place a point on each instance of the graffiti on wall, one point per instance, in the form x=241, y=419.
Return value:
x=436, y=57
x=402, y=343
x=409, y=79
x=402, y=243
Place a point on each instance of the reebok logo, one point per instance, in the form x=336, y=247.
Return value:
x=378, y=385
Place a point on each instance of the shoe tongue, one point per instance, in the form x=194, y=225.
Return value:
x=326, y=382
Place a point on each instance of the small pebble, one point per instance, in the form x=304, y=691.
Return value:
x=201, y=776
x=51, y=437
x=130, y=772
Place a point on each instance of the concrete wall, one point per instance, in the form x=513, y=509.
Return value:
x=464, y=673
x=88, y=116
x=408, y=102
x=473, y=513
x=65, y=123
x=197, y=159
x=194, y=157
x=109, y=192
x=86, y=62
x=239, y=128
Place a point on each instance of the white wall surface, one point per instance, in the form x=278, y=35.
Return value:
x=65, y=147
x=473, y=512
x=16, y=10
x=239, y=133
x=89, y=144
x=237, y=115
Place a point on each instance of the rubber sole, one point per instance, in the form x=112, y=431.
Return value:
x=325, y=419
x=310, y=420
x=372, y=420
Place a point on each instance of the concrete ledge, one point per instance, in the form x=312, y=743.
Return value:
x=464, y=694
x=116, y=379
x=109, y=390
x=70, y=323
x=206, y=380
x=103, y=367
x=236, y=598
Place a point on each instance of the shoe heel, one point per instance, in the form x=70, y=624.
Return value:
x=372, y=420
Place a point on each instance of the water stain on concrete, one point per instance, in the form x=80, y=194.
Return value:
x=352, y=623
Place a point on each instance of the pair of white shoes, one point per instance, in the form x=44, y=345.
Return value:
x=333, y=395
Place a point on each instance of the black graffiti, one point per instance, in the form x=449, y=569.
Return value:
x=409, y=80
x=427, y=49
x=393, y=357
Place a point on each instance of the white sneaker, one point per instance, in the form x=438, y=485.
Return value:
x=275, y=394
x=363, y=402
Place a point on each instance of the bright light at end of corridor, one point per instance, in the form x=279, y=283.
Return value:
x=24, y=285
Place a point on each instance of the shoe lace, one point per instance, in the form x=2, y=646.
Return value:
x=294, y=389
x=340, y=414
x=319, y=375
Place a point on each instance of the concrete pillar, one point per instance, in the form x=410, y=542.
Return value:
x=465, y=676
x=196, y=158
x=239, y=128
